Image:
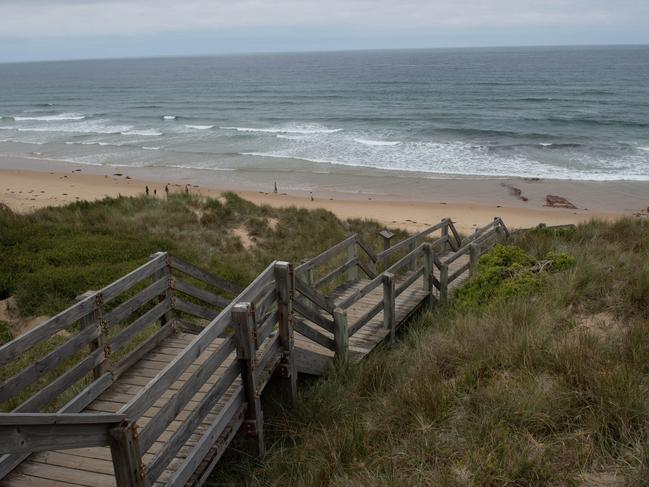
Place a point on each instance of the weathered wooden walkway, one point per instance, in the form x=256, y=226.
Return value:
x=147, y=381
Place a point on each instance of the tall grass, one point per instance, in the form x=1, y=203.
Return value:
x=545, y=385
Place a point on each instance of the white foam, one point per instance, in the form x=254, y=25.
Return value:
x=646, y=149
x=377, y=142
x=150, y=148
x=52, y=118
x=85, y=127
x=145, y=132
x=200, y=127
x=291, y=137
x=292, y=129
x=169, y=117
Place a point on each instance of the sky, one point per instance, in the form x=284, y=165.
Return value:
x=81, y=29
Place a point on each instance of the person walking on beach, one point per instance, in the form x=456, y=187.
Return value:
x=167, y=190
x=146, y=190
x=311, y=193
x=275, y=190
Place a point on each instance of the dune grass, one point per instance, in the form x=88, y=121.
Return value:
x=539, y=383
x=50, y=256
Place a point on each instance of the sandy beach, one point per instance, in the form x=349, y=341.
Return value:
x=408, y=202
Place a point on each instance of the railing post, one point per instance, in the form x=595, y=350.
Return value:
x=445, y=234
x=443, y=284
x=352, y=252
x=169, y=316
x=386, y=235
x=389, y=313
x=244, y=321
x=341, y=336
x=474, y=255
x=428, y=269
x=456, y=236
x=95, y=318
x=413, y=261
x=125, y=453
x=285, y=280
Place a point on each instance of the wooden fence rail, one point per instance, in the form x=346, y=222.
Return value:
x=170, y=425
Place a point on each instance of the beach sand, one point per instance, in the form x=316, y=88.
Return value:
x=408, y=202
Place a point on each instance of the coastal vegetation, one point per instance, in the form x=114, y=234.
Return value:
x=535, y=373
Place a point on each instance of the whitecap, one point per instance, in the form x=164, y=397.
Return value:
x=146, y=132
x=377, y=142
x=52, y=118
x=169, y=117
x=200, y=127
x=150, y=148
x=644, y=148
x=296, y=129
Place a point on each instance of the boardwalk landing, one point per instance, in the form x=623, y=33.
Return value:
x=152, y=377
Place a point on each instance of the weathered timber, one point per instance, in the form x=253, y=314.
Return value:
x=404, y=243
x=311, y=294
x=313, y=315
x=389, y=318
x=285, y=279
x=326, y=255
x=28, y=376
x=266, y=328
x=362, y=321
x=200, y=293
x=128, y=307
x=152, y=430
x=201, y=275
x=352, y=272
x=142, y=350
x=459, y=272
x=412, y=277
x=194, y=309
x=139, y=325
x=305, y=330
x=21, y=433
x=368, y=251
x=89, y=394
x=59, y=385
x=341, y=334
x=162, y=458
x=17, y=346
x=244, y=321
x=127, y=462
x=369, y=269
x=213, y=439
x=323, y=281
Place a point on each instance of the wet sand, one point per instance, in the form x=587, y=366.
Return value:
x=407, y=201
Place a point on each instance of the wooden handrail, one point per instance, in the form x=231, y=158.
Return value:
x=384, y=254
x=13, y=349
x=326, y=255
x=35, y=432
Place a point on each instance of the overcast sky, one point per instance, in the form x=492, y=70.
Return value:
x=72, y=29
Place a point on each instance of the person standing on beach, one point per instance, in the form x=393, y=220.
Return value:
x=167, y=190
x=146, y=190
x=311, y=193
x=275, y=190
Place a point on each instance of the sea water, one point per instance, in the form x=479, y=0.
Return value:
x=553, y=112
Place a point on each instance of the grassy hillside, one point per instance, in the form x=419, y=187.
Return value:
x=530, y=378
x=49, y=257
x=536, y=374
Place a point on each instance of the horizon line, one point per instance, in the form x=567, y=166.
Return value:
x=319, y=51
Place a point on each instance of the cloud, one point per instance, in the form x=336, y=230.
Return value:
x=92, y=18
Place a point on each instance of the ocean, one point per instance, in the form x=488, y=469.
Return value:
x=555, y=112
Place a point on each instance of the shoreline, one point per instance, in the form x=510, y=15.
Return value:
x=411, y=203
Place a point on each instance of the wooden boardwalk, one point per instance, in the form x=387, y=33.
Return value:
x=147, y=381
